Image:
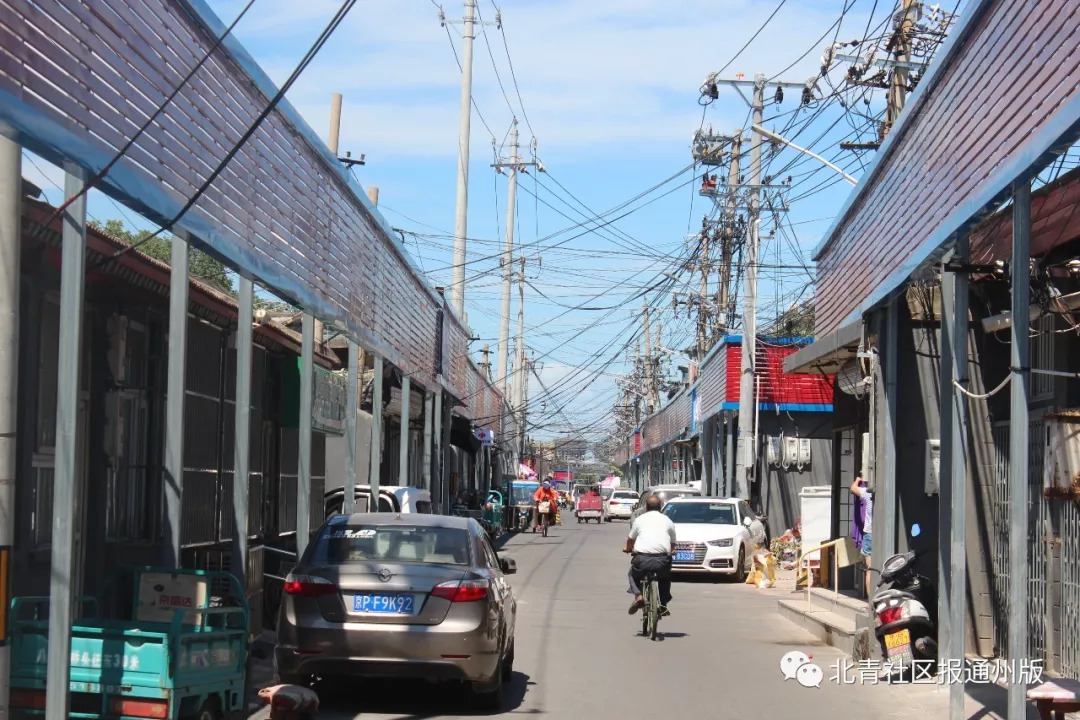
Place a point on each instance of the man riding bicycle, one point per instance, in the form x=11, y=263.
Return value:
x=545, y=493
x=652, y=543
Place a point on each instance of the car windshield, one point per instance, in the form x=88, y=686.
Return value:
x=699, y=512
x=605, y=492
x=626, y=495
x=667, y=496
x=340, y=544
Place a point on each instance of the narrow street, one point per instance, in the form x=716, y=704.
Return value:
x=579, y=655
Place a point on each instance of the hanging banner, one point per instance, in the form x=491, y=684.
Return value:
x=637, y=443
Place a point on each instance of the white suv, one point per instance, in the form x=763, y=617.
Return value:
x=620, y=505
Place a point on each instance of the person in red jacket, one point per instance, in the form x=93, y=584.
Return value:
x=545, y=493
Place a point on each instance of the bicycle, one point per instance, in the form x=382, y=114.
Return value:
x=650, y=614
x=545, y=517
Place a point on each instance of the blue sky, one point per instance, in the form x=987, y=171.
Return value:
x=610, y=92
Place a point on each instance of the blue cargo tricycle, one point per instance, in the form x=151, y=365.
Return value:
x=182, y=655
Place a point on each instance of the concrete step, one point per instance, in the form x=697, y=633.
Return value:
x=831, y=628
x=851, y=608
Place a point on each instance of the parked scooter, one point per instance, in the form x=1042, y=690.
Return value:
x=905, y=610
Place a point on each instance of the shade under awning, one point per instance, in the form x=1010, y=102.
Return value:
x=828, y=353
x=461, y=434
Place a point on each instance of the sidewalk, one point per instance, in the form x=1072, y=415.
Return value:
x=985, y=701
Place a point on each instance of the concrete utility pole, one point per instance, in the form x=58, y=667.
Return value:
x=901, y=44
x=703, y=334
x=457, y=288
x=332, y=143
x=508, y=259
x=725, y=314
x=520, y=371
x=745, y=455
x=652, y=394
x=744, y=459
x=514, y=166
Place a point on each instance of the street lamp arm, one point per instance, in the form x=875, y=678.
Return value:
x=773, y=136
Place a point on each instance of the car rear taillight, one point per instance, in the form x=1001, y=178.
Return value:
x=34, y=699
x=614, y=502
x=889, y=615
x=464, y=591
x=308, y=586
x=132, y=707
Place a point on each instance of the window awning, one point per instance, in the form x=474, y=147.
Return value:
x=828, y=352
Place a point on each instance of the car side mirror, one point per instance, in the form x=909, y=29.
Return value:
x=508, y=566
x=747, y=521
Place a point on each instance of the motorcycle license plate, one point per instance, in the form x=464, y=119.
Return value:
x=684, y=556
x=898, y=643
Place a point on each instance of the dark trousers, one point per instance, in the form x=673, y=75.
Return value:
x=641, y=565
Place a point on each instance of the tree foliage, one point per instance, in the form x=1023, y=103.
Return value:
x=201, y=265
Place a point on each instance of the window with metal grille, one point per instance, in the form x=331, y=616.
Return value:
x=1041, y=351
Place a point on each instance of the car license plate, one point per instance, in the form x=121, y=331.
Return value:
x=898, y=643
x=383, y=604
x=684, y=556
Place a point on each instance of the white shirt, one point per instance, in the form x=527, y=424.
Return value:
x=868, y=517
x=653, y=533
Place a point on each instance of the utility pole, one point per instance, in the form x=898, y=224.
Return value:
x=901, y=46
x=485, y=365
x=513, y=166
x=520, y=372
x=652, y=394
x=744, y=459
x=703, y=313
x=332, y=143
x=457, y=287
x=725, y=314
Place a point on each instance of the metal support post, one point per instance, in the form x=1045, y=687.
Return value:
x=403, y=435
x=886, y=492
x=61, y=591
x=1019, y=587
x=10, y=249
x=352, y=402
x=945, y=473
x=959, y=480
x=429, y=406
x=303, y=480
x=730, y=470
x=375, y=473
x=174, y=397
x=447, y=418
x=242, y=434
x=437, y=459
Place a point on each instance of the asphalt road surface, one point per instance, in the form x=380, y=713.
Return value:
x=580, y=655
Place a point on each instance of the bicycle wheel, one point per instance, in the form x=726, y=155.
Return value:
x=654, y=607
x=645, y=590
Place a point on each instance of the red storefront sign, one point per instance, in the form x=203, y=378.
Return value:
x=637, y=443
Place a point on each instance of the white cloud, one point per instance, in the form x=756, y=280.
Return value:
x=592, y=74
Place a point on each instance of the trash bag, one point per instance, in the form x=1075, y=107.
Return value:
x=764, y=569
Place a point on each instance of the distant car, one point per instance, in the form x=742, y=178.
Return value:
x=665, y=493
x=714, y=535
x=392, y=499
x=403, y=596
x=620, y=505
